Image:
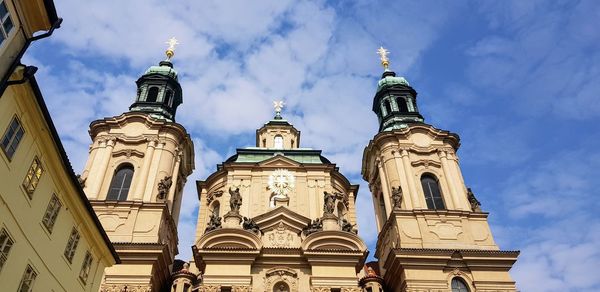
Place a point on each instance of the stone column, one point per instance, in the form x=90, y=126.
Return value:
x=407, y=199
x=143, y=177
x=410, y=178
x=450, y=180
x=153, y=173
x=385, y=190
x=100, y=176
x=94, y=163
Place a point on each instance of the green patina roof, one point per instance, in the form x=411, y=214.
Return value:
x=163, y=70
x=302, y=155
x=391, y=80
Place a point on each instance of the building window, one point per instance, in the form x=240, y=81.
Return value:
x=121, y=181
x=278, y=142
x=168, y=97
x=7, y=24
x=6, y=244
x=433, y=195
x=51, y=213
x=281, y=287
x=27, y=280
x=401, y=103
x=152, y=94
x=33, y=176
x=388, y=107
x=458, y=285
x=85, y=267
x=72, y=245
x=11, y=138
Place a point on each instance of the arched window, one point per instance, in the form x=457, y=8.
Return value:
x=388, y=107
x=168, y=97
x=278, y=142
x=433, y=195
x=281, y=287
x=152, y=94
x=458, y=285
x=121, y=181
x=402, y=107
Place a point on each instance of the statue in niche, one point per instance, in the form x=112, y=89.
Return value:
x=475, y=205
x=347, y=226
x=329, y=203
x=250, y=225
x=314, y=226
x=397, y=197
x=213, y=223
x=235, y=201
x=164, y=185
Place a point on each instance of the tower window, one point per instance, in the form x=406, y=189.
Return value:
x=85, y=267
x=458, y=285
x=11, y=138
x=152, y=94
x=388, y=107
x=278, y=142
x=121, y=181
x=168, y=97
x=402, y=106
x=433, y=195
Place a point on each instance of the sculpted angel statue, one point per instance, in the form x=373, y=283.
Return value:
x=235, y=201
x=329, y=202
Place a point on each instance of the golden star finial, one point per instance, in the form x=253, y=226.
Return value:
x=383, y=57
x=171, y=49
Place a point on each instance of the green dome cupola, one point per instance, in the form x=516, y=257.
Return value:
x=158, y=90
x=395, y=102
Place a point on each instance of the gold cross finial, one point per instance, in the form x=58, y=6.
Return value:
x=383, y=57
x=171, y=49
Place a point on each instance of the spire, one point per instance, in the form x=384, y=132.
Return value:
x=395, y=101
x=159, y=92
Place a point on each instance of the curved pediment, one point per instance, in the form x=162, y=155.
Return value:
x=333, y=240
x=279, y=161
x=229, y=238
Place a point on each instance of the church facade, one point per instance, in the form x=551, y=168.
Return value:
x=280, y=217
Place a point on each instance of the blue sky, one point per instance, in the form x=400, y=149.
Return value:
x=518, y=80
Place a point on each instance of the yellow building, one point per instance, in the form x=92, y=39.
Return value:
x=134, y=177
x=50, y=238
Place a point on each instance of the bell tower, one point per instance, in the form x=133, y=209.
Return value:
x=432, y=232
x=134, y=177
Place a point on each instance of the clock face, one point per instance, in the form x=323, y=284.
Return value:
x=281, y=182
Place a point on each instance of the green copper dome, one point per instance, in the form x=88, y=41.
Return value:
x=165, y=68
x=391, y=80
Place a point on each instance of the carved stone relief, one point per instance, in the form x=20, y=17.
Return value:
x=281, y=274
x=212, y=195
x=281, y=237
x=445, y=230
x=209, y=288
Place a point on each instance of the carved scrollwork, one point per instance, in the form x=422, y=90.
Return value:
x=125, y=288
x=211, y=196
x=281, y=274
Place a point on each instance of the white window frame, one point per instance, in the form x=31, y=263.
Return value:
x=6, y=243
x=28, y=279
x=52, y=211
x=71, y=247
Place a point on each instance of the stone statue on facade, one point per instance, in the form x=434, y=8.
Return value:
x=329, y=203
x=235, y=201
x=314, y=226
x=164, y=185
x=347, y=226
x=250, y=225
x=475, y=204
x=213, y=223
x=81, y=181
x=397, y=197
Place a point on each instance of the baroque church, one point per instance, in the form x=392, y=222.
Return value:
x=281, y=217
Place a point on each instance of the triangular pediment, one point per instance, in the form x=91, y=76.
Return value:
x=279, y=161
x=281, y=215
